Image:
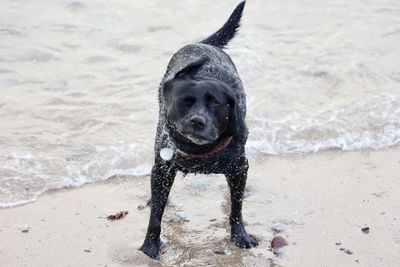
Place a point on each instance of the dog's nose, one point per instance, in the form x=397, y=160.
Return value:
x=198, y=122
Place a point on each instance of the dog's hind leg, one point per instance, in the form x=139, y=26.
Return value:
x=236, y=177
x=162, y=178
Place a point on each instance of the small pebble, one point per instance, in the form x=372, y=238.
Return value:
x=213, y=220
x=141, y=207
x=279, y=251
x=365, y=229
x=178, y=216
x=348, y=251
x=279, y=227
x=25, y=229
x=87, y=250
x=118, y=216
x=219, y=252
x=278, y=242
x=277, y=245
x=338, y=243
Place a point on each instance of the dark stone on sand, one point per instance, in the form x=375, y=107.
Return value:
x=141, y=207
x=348, y=251
x=278, y=242
x=118, y=216
x=278, y=245
x=365, y=229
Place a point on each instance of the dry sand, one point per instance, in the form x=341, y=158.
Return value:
x=322, y=198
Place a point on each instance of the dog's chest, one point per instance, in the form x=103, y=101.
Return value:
x=216, y=164
x=199, y=167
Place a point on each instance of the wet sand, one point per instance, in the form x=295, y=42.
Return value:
x=322, y=198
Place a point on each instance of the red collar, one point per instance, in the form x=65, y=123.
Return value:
x=216, y=150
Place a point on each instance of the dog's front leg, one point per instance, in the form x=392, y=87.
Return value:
x=162, y=178
x=236, y=177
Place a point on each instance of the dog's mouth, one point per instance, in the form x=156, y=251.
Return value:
x=199, y=139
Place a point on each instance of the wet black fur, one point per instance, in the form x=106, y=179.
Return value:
x=204, y=60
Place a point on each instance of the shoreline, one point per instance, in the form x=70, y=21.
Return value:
x=123, y=177
x=322, y=199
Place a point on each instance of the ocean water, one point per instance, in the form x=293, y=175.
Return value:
x=79, y=81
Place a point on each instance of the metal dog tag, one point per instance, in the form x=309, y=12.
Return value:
x=166, y=153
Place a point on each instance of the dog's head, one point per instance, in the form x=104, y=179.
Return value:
x=200, y=108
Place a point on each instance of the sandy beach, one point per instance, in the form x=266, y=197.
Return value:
x=323, y=199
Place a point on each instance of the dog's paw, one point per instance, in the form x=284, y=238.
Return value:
x=244, y=240
x=151, y=249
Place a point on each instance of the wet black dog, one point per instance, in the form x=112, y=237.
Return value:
x=202, y=121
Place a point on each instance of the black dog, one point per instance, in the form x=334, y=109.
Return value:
x=202, y=121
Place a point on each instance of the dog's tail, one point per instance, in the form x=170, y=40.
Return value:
x=221, y=37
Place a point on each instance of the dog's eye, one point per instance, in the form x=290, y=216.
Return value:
x=189, y=100
x=214, y=102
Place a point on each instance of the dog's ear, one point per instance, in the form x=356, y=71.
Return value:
x=188, y=71
x=233, y=110
x=167, y=90
x=191, y=69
